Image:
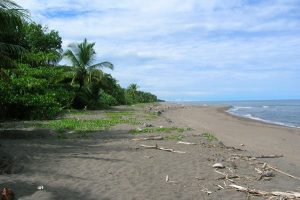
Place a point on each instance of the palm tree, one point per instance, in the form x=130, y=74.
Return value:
x=133, y=90
x=133, y=87
x=82, y=57
x=12, y=17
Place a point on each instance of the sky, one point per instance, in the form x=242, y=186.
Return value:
x=188, y=50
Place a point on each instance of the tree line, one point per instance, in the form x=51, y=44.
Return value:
x=32, y=83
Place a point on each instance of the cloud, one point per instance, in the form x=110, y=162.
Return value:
x=187, y=49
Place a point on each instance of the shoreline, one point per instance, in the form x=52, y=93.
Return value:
x=256, y=136
x=228, y=106
x=276, y=124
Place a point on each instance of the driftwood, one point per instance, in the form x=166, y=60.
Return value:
x=265, y=165
x=287, y=195
x=206, y=191
x=168, y=180
x=188, y=143
x=161, y=148
x=220, y=186
x=199, y=178
x=257, y=157
x=282, y=172
x=269, y=156
x=148, y=138
x=234, y=148
x=226, y=176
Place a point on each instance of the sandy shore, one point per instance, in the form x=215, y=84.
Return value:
x=258, y=137
x=111, y=165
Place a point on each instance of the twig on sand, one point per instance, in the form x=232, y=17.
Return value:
x=168, y=180
x=266, y=165
x=199, y=178
x=161, y=148
x=220, y=186
x=226, y=176
x=286, y=195
x=256, y=157
x=269, y=156
x=206, y=191
x=234, y=148
x=188, y=143
x=148, y=138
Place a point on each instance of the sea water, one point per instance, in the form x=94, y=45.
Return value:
x=281, y=112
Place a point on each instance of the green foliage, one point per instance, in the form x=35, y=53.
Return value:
x=84, y=125
x=33, y=93
x=40, y=39
x=107, y=100
x=158, y=130
x=31, y=84
x=177, y=137
x=44, y=46
x=133, y=96
x=82, y=56
x=110, y=86
x=209, y=136
x=12, y=17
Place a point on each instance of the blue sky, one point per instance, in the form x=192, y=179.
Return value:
x=188, y=50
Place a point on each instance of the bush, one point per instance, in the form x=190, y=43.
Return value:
x=33, y=94
x=107, y=100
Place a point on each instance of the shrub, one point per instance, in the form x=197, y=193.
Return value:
x=32, y=93
x=107, y=100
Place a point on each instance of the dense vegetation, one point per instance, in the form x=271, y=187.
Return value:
x=32, y=83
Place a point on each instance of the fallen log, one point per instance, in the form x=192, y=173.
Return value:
x=161, y=148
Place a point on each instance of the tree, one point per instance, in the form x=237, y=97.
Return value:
x=82, y=57
x=131, y=94
x=44, y=46
x=12, y=17
x=133, y=87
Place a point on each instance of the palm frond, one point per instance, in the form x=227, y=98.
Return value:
x=12, y=14
x=86, y=53
x=70, y=55
x=102, y=65
x=9, y=48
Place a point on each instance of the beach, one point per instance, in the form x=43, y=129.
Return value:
x=257, y=137
x=115, y=164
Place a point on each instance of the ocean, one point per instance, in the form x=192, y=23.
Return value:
x=281, y=112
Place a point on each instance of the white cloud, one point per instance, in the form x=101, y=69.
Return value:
x=194, y=46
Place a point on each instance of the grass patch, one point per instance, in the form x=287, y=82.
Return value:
x=158, y=130
x=177, y=137
x=151, y=115
x=75, y=112
x=209, y=136
x=119, y=115
x=80, y=128
x=84, y=125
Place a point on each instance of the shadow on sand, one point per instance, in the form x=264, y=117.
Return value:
x=36, y=148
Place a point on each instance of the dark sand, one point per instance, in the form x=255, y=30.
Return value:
x=109, y=165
